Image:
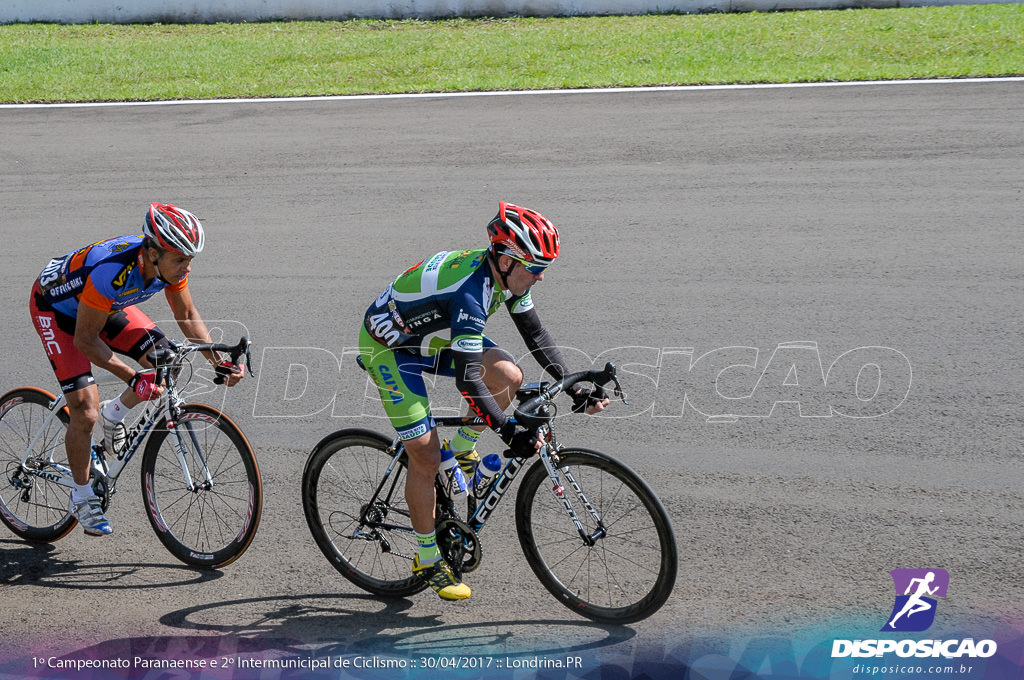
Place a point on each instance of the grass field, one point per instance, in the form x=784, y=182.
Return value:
x=51, y=63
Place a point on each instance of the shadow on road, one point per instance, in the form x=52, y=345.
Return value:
x=38, y=564
x=324, y=624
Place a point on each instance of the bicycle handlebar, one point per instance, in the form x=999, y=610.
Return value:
x=164, y=357
x=534, y=412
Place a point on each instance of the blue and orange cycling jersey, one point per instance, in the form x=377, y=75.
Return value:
x=106, y=276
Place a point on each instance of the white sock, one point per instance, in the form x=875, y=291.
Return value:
x=80, y=492
x=115, y=411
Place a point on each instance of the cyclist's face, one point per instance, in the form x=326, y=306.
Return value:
x=173, y=265
x=519, y=279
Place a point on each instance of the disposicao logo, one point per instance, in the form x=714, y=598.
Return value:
x=914, y=611
x=916, y=590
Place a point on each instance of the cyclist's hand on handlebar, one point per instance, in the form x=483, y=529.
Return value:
x=144, y=385
x=522, y=442
x=229, y=373
x=589, y=401
x=598, y=406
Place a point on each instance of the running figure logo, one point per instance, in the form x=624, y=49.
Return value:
x=915, y=608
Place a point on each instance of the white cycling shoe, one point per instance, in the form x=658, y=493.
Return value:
x=115, y=436
x=89, y=514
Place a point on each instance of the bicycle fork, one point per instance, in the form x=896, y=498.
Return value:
x=182, y=451
x=590, y=540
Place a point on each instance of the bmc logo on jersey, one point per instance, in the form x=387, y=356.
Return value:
x=46, y=332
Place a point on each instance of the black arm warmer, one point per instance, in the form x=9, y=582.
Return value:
x=540, y=343
x=469, y=381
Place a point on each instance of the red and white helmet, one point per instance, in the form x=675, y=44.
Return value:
x=523, y=234
x=172, y=228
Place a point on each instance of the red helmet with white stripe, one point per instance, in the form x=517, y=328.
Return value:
x=172, y=228
x=523, y=234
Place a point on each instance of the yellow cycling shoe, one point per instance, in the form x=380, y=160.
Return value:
x=468, y=461
x=439, y=576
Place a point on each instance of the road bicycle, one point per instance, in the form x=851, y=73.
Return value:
x=201, y=483
x=591, y=529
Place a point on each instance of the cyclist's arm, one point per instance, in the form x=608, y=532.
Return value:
x=187, y=316
x=539, y=341
x=542, y=347
x=193, y=326
x=470, y=383
x=88, y=326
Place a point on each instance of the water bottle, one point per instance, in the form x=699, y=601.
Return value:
x=451, y=475
x=488, y=467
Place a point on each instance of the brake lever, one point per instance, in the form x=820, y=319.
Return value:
x=235, y=354
x=248, y=359
x=618, y=391
x=611, y=376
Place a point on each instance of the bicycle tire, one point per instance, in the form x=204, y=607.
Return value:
x=340, y=476
x=628, y=573
x=207, y=527
x=40, y=513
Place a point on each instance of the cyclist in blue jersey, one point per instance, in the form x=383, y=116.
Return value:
x=83, y=308
x=454, y=293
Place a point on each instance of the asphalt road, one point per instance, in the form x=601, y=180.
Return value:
x=816, y=292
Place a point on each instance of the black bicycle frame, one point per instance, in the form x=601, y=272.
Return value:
x=485, y=506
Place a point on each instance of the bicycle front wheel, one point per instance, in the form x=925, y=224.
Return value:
x=202, y=487
x=368, y=537
x=620, y=564
x=34, y=508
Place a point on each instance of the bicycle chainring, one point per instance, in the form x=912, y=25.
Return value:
x=459, y=544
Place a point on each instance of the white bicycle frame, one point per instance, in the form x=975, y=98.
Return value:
x=109, y=467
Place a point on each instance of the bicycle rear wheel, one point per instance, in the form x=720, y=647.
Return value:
x=626, y=568
x=211, y=524
x=34, y=508
x=367, y=538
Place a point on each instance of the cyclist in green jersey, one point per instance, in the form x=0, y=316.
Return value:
x=452, y=294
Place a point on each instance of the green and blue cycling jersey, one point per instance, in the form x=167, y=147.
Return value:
x=431, y=320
